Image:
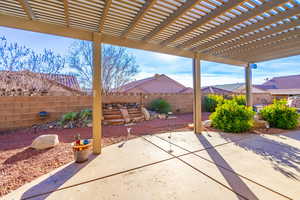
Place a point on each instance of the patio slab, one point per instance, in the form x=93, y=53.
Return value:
x=267, y=161
x=145, y=169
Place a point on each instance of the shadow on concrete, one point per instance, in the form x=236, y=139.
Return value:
x=293, y=135
x=235, y=182
x=281, y=155
x=43, y=189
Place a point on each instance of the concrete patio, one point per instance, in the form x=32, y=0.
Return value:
x=193, y=166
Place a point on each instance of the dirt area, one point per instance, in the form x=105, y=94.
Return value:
x=20, y=164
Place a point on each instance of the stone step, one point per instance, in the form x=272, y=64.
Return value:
x=112, y=116
x=109, y=112
x=114, y=121
x=132, y=115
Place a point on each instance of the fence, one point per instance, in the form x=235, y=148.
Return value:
x=22, y=111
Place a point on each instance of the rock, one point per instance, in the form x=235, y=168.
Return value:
x=206, y=123
x=89, y=125
x=162, y=116
x=261, y=124
x=50, y=126
x=145, y=113
x=66, y=126
x=45, y=142
x=257, y=116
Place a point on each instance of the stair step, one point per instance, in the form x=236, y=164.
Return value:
x=112, y=112
x=114, y=121
x=135, y=115
x=113, y=116
x=137, y=119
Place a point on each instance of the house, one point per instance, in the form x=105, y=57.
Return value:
x=27, y=83
x=159, y=83
x=215, y=90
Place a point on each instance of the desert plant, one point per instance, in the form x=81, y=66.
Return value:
x=232, y=117
x=279, y=115
x=85, y=114
x=69, y=117
x=211, y=102
x=160, y=106
x=240, y=99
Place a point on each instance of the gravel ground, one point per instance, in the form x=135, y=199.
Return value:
x=20, y=164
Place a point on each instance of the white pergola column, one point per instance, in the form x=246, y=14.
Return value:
x=197, y=93
x=97, y=94
x=248, y=86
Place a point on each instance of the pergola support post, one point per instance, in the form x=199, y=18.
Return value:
x=97, y=94
x=197, y=93
x=248, y=79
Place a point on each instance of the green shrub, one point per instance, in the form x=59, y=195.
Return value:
x=279, y=115
x=231, y=117
x=240, y=99
x=211, y=102
x=69, y=117
x=160, y=106
x=85, y=114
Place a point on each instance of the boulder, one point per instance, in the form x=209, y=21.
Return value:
x=45, y=142
x=162, y=116
x=206, y=123
x=145, y=113
x=89, y=125
x=261, y=124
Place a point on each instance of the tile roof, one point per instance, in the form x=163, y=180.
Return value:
x=159, y=83
x=283, y=82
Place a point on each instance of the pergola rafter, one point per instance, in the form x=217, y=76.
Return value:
x=250, y=28
x=104, y=14
x=273, y=30
x=271, y=39
x=236, y=21
x=26, y=7
x=66, y=10
x=147, y=6
x=203, y=20
x=181, y=11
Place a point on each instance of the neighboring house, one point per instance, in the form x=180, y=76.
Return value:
x=215, y=90
x=27, y=83
x=159, y=83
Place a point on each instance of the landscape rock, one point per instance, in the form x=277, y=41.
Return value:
x=145, y=113
x=162, y=116
x=261, y=124
x=45, y=142
x=207, y=123
x=89, y=125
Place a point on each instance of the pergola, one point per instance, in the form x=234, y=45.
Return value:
x=236, y=32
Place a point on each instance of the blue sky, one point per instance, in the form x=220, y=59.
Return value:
x=176, y=67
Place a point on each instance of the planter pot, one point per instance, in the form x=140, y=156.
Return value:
x=82, y=152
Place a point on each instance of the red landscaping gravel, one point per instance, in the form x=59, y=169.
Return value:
x=20, y=164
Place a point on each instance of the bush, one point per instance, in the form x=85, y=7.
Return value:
x=279, y=115
x=232, y=117
x=69, y=117
x=211, y=102
x=160, y=106
x=240, y=99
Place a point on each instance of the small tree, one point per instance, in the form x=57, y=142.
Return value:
x=118, y=66
x=14, y=57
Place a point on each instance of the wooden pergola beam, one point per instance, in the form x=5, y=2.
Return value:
x=272, y=40
x=235, y=44
x=66, y=11
x=48, y=28
x=281, y=49
x=147, y=6
x=104, y=14
x=26, y=7
x=203, y=20
x=238, y=20
x=266, y=22
x=174, y=16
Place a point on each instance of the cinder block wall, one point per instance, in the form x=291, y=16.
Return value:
x=22, y=111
